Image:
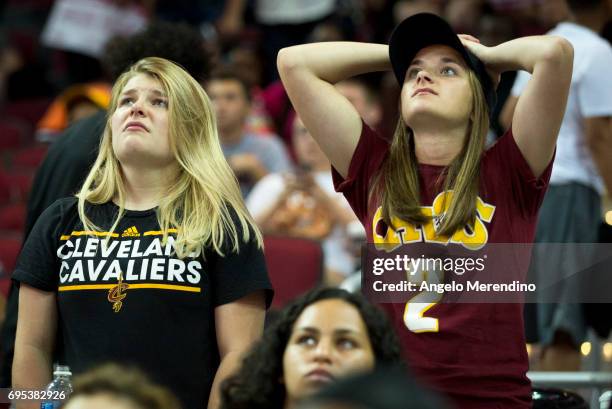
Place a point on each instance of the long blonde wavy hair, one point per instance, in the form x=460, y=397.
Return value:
x=203, y=198
x=398, y=179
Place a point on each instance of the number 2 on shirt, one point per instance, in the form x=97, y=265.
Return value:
x=414, y=313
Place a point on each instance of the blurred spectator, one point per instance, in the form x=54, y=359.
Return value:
x=75, y=103
x=553, y=12
x=10, y=61
x=222, y=19
x=305, y=204
x=78, y=31
x=118, y=387
x=464, y=15
x=70, y=157
x=406, y=8
x=245, y=60
x=287, y=22
x=364, y=99
x=324, y=335
x=385, y=388
x=251, y=157
x=571, y=211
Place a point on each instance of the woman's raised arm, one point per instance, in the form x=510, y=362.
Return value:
x=308, y=73
x=540, y=108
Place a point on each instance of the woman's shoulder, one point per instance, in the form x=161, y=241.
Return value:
x=63, y=206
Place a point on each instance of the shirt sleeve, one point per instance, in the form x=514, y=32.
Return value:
x=595, y=86
x=275, y=156
x=265, y=194
x=369, y=154
x=520, y=82
x=38, y=265
x=506, y=163
x=236, y=275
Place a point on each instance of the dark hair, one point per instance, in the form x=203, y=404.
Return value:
x=179, y=43
x=385, y=388
x=127, y=383
x=228, y=74
x=579, y=5
x=257, y=384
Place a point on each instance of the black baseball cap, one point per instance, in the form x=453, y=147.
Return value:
x=424, y=29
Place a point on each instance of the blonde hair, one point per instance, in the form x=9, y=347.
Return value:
x=203, y=202
x=398, y=179
x=126, y=383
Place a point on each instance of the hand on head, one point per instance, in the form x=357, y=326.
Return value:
x=484, y=54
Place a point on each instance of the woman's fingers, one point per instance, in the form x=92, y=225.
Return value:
x=468, y=37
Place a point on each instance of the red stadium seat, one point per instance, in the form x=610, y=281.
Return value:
x=30, y=110
x=294, y=265
x=11, y=136
x=12, y=217
x=6, y=194
x=30, y=158
x=9, y=250
x=14, y=186
x=5, y=286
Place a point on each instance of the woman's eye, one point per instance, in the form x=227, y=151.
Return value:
x=126, y=101
x=160, y=102
x=346, y=343
x=412, y=73
x=306, y=340
x=448, y=71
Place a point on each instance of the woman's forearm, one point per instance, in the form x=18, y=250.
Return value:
x=526, y=53
x=335, y=61
x=31, y=370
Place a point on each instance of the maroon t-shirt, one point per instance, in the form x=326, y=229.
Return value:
x=473, y=353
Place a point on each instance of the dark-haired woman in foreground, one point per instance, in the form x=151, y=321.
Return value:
x=326, y=334
x=435, y=183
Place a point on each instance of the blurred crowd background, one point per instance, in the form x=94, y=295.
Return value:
x=58, y=60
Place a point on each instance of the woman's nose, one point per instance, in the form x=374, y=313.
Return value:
x=423, y=75
x=137, y=108
x=323, y=351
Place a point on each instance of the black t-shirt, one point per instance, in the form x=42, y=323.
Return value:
x=131, y=300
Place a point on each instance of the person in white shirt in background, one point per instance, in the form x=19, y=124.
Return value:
x=582, y=169
x=304, y=204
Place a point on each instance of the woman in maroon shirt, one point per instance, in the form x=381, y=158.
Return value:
x=434, y=182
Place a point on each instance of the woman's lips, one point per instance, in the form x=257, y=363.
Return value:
x=424, y=91
x=135, y=126
x=320, y=375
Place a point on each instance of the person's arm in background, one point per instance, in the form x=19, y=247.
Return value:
x=36, y=331
x=598, y=136
x=541, y=106
x=308, y=73
x=238, y=325
x=230, y=23
x=266, y=197
x=248, y=164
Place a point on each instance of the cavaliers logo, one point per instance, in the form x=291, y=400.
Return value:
x=117, y=293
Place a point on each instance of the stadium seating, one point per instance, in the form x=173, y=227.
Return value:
x=294, y=266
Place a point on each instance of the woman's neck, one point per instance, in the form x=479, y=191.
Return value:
x=438, y=146
x=145, y=187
